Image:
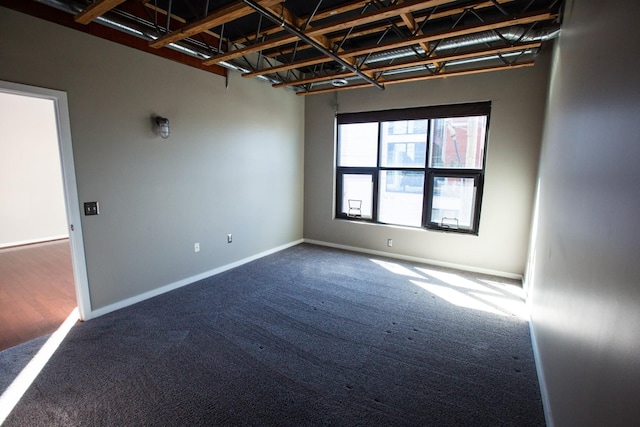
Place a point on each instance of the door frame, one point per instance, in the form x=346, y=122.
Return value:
x=65, y=149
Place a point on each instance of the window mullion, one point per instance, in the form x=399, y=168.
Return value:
x=376, y=177
x=427, y=191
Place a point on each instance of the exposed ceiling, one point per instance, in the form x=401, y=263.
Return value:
x=317, y=46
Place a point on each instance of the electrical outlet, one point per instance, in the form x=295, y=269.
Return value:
x=390, y=242
x=196, y=247
x=229, y=238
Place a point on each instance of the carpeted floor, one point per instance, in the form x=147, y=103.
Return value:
x=14, y=359
x=307, y=336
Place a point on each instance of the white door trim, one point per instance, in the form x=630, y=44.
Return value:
x=78, y=260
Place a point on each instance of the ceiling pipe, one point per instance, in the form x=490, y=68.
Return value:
x=278, y=21
x=513, y=34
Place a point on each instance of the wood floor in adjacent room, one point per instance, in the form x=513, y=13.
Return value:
x=37, y=291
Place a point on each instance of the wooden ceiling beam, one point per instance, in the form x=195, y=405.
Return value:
x=413, y=40
x=47, y=13
x=377, y=29
x=367, y=18
x=457, y=57
x=95, y=9
x=378, y=15
x=411, y=24
x=218, y=17
x=475, y=54
x=483, y=26
x=289, y=66
x=359, y=4
x=422, y=78
x=462, y=72
x=324, y=41
x=297, y=23
x=279, y=41
x=209, y=37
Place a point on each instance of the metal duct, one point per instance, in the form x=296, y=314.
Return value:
x=513, y=34
x=138, y=27
x=69, y=7
x=418, y=68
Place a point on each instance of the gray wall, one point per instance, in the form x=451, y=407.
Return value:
x=233, y=163
x=518, y=100
x=584, y=277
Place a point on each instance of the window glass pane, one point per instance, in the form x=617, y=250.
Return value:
x=400, y=199
x=404, y=143
x=358, y=144
x=453, y=202
x=357, y=195
x=458, y=142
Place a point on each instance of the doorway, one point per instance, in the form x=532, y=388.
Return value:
x=42, y=265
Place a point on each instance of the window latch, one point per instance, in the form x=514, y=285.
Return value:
x=443, y=225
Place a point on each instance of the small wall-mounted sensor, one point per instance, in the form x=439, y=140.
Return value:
x=91, y=208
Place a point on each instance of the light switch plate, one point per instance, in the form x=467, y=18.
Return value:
x=91, y=208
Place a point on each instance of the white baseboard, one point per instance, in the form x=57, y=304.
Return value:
x=418, y=259
x=544, y=392
x=187, y=281
x=32, y=241
x=180, y=283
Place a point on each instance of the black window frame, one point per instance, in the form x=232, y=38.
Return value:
x=430, y=173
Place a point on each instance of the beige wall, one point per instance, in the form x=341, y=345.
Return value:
x=518, y=99
x=233, y=163
x=32, y=207
x=584, y=276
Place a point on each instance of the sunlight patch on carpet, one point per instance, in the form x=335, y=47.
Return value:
x=397, y=268
x=23, y=381
x=480, y=294
x=457, y=298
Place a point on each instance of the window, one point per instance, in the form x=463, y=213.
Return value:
x=417, y=167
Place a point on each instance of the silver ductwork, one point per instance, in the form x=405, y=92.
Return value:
x=146, y=30
x=65, y=6
x=512, y=34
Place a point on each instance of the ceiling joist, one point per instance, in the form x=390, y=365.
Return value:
x=216, y=18
x=419, y=21
x=315, y=46
x=348, y=22
x=97, y=8
x=414, y=40
x=428, y=77
x=411, y=64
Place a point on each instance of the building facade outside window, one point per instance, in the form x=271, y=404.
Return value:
x=417, y=167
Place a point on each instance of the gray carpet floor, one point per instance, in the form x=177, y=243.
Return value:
x=306, y=336
x=14, y=359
